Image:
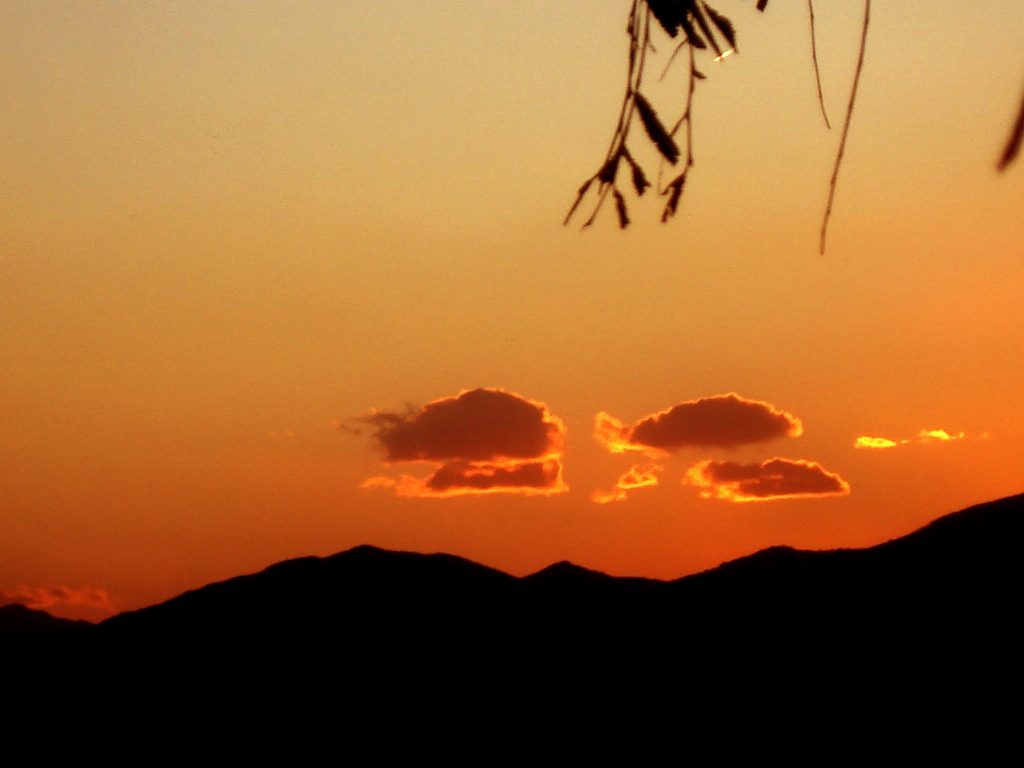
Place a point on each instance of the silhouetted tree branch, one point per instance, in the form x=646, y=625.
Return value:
x=846, y=127
x=699, y=27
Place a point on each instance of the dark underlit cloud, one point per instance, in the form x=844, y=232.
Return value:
x=722, y=421
x=457, y=478
x=634, y=478
x=481, y=441
x=41, y=598
x=773, y=479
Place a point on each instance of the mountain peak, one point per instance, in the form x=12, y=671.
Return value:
x=564, y=573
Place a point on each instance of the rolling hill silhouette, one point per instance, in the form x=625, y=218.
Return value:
x=929, y=622
x=20, y=622
x=968, y=562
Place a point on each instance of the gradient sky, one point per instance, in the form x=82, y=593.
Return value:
x=244, y=246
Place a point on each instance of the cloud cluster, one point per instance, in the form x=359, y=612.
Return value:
x=481, y=441
x=635, y=477
x=773, y=479
x=722, y=421
x=923, y=436
x=494, y=441
x=42, y=598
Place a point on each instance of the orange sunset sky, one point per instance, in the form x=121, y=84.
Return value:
x=281, y=279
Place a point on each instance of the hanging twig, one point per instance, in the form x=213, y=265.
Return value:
x=846, y=127
x=674, y=189
x=814, y=58
x=638, y=29
x=700, y=26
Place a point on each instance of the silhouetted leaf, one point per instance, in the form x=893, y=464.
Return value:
x=724, y=26
x=1013, y=143
x=640, y=182
x=669, y=13
x=607, y=173
x=761, y=4
x=698, y=74
x=620, y=208
x=691, y=34
x=702, y=22
x=674, y=191
x=662, y=140
x=579, y=198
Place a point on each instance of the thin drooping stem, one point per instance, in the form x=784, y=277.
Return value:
x=639, y=43
x=701, y=27
x=846, y=127
x=674, y=189
x=689, y=106
x=639, y=40
x=814, y=59
x=686, y=119
x=637, y=49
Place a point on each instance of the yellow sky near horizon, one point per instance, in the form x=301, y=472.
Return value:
x=225, y=227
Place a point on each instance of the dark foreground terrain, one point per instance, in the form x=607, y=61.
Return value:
x=920, y=635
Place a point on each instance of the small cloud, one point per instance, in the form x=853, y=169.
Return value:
x=455, y=478
x=722, y=421
x=923, y=436
x=630, y=480
x=286, y=433
x=938, y=435
x=876, y=442
x=378, y=482
x=42, y=598
x=773, y=479
x=481, y=441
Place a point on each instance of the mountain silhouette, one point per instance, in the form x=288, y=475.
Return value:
x=927, y=622
x=19, y=622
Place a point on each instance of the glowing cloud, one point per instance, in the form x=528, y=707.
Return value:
x=773, y=479
x=457, y=478
x=923, y=436
x=41, y=598
x=722, y=421
x=632, y=479
x=876, y=442
x=481, y=441
x=939, y=435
